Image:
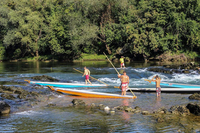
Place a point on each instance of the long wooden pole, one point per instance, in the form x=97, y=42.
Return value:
x=91, y=77
x=111, y=63
x=116, y=70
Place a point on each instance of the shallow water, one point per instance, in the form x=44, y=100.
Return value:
x=61, y=118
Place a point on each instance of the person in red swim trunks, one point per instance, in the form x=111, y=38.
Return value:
x=157, y=79
x=87, y=75
x=124, y=82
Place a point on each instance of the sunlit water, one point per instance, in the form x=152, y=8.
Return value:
x=41, y=118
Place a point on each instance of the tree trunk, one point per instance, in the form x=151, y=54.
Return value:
x=36, y=41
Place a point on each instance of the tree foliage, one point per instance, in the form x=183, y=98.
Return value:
x=65, y=29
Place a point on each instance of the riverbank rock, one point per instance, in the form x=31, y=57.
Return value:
x=194, y=108
x=195, y=96
x=4, y=108
x=167, y=56
x=44, y=78
x=179, y=109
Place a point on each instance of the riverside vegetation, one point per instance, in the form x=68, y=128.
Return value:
x=67, y=29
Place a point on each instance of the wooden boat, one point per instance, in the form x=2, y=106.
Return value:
x=84, y=93
x=64, y=85
x=177, y=90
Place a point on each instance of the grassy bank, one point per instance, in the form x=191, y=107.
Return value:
x=92, y=57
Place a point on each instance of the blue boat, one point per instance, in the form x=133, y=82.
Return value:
x=64, y=85
x=174, y=85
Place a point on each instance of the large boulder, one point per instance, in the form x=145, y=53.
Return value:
x=194, y=108
x=4, y=108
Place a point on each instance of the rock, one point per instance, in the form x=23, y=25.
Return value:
x=4, y=108
x=137, y=108
x=145, y=112
x=78, y=102
x=181, y=110
x=127, y=109
x=159, y=120
x=120, y=108
x=194, y=108
x=92, y=105
x=195, y=96
x=107, y=109
x=101, y=106
x=137, y=111
x=161, y=110
x=44, y=78
x=112, y=112
x=33, y=93
x=8, y=96
x=22, y=96
x=51, y=105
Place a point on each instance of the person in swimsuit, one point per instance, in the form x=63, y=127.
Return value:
x=157, y=79
x=87, y=75
x=122, y=62
x=124, y=82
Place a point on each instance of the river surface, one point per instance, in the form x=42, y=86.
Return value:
x=61, y=118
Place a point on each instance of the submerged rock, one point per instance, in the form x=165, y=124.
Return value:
x=4, y=108
x=44, y=78
x=194, y=108
x=195, y=96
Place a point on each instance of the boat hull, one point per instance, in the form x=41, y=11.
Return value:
x=90, y=94
x=171, y=90
x=175, y=85
x=64, y=85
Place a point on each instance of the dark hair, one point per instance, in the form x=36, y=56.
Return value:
x=124, y=71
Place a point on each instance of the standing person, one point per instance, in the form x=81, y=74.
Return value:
x=87, y=75
x=157, y=79
x=124, y=82
x=122, y=62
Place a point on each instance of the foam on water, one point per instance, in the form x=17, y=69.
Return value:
x=30, y=112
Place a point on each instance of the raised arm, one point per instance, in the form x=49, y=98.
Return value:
x=153, y=79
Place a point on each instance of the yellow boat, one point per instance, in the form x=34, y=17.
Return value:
x=91, y=94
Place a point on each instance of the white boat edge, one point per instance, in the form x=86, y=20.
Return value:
x=166, y=89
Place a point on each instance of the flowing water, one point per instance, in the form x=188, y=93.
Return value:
x=61, y=118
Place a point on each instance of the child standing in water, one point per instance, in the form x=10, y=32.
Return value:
x=122, y=62
x=157, y=79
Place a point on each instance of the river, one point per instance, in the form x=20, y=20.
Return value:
x=61, y=118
